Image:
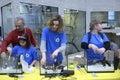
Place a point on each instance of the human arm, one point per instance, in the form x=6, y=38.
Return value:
x=43, y=51
x=43, y=46
x=4, y=45
x=94, y=47
x=106, y=44
x=86, y=42
x=3, y=55
x=104, y=48
x=6, y=42
x=60, y=49
x=43, y=60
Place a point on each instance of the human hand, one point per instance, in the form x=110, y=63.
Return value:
x=3, y=55
x=55, y=53
x=43, y=61
x=9, y=50
x=37, y=47
x=101, y=50
x=94, y=47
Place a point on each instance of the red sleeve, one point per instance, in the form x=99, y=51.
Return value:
x=32, y=40
x=6, y=42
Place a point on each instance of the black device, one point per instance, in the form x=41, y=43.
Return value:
x=63, y=72
x=52, y=69
x=67, y=73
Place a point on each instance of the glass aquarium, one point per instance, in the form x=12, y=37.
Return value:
x=10, y=65
x=54, y=69
x=75, y=23
x=7, y=19
x=104, y=65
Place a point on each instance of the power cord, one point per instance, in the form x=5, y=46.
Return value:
x=13, y=75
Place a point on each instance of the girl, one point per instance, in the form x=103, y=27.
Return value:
x=26, y=49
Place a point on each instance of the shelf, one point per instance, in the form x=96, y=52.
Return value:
x=116, y=31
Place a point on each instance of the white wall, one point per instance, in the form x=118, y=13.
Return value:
x=103, y=5
x=72, y=4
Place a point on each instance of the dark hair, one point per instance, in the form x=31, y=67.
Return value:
x=58, y=18
x=93, y=23
x=25, y=38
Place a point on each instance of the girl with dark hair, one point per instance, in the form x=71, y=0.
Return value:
x=26, y=49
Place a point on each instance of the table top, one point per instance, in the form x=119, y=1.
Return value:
x=80, y=74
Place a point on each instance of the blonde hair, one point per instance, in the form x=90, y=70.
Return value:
x=58, y=18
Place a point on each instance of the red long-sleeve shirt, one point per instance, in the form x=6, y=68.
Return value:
x=13, y=38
